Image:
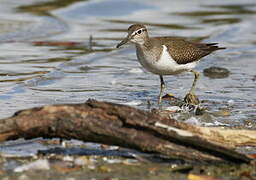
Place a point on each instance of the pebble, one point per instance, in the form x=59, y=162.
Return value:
x=82, y=161
x=193, y=121
x=111, y=161
x=133, y=103
x=231, y=102
x=70, y=178
x=23, y=177
x=41, y=164
x=68, y=158
x=113, y=82
x=172, y=108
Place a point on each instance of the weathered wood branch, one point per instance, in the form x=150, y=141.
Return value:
x=116, y=124
x=229, y=137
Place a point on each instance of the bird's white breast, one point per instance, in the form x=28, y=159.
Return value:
x=166, y=65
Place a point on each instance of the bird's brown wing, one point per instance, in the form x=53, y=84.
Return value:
x=183, y=51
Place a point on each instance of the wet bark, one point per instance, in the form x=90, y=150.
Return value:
x=121, y=125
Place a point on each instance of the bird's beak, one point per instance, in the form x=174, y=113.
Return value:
x=124, y=41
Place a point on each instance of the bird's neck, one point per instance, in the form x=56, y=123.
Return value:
x=147, y=44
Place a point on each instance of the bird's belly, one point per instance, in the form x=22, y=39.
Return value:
x=149, y=65
x=165, y=65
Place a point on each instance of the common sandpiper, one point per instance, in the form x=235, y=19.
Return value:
x=168, y=55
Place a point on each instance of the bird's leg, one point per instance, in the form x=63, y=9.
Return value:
x=191, y=98
x=162, y=88
x=197, y=76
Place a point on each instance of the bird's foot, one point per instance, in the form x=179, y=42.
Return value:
x=191, y=98
x=168, y=96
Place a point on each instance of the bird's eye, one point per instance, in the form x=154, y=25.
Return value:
x=139, y=31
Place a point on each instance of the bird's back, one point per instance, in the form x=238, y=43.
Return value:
x=184, y=51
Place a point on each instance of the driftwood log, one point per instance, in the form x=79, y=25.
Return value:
x=125, y=126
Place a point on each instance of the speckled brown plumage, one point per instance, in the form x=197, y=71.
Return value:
x=182, y=51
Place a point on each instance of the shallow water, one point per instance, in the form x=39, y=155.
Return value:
x=46, y=57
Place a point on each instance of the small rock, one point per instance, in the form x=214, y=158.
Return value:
x=131, y=161
x=9, y=165
x=82, y=161
x=92, y=167
x=172, y=108
x=66, y=168
x=23, y=177
x=133, y=103
x=193, y=121
x=85, y=68
x=68, y=158
x=111, y=161
x=254, y=78
x=231, y=102
x=222, y=113
x=2, y=172
x=105, y=169
x=70, y=178
x=41, y=164
x=216, y=72
x=113, y=82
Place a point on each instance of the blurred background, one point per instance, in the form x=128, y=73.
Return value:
x=63, y=51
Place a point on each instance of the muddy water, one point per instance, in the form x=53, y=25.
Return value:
x=46, y=59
